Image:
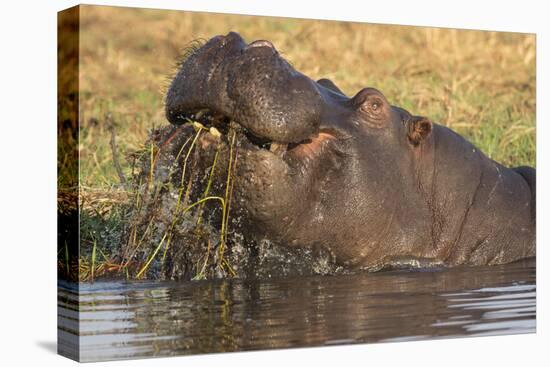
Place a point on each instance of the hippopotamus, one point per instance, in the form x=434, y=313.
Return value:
x=367, y=181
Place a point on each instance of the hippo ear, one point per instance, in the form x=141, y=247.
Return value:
x=418, y=129
x=329, y=84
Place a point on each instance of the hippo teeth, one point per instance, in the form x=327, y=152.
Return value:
x=215, y=132
x=218, y=125
x=278, y=148
x=199, y=114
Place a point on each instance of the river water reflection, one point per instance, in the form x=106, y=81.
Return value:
x=142, y=319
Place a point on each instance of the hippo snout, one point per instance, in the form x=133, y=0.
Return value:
x=247, y=83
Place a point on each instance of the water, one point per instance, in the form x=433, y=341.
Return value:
x=143, y=319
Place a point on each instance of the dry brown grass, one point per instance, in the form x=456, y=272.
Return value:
x=480, y=83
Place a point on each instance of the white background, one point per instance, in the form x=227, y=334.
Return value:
x=28, y=182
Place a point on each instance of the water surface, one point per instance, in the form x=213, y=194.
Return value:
x=143, y=319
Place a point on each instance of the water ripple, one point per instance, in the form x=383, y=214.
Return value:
x=141, y=319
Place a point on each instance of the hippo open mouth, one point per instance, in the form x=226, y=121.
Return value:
x=224, y=126
x=227, y=80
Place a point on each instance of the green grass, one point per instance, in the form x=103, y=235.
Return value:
x=481, y=84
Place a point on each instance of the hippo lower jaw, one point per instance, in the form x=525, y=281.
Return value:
x=270, y=177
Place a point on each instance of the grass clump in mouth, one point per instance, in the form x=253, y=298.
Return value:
x=185, y=245
x=162, y=223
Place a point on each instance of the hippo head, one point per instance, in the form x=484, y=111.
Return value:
x=311, y=159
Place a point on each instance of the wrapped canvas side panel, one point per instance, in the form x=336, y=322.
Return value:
x=68, y=176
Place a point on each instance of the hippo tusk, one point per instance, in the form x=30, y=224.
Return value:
x=278, y=148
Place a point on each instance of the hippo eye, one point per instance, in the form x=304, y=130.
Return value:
x=372, y=105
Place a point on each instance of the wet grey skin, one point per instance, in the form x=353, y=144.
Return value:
x=367, y=181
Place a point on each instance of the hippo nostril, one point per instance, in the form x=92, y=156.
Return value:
x=232, y=37
x=261, y=43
